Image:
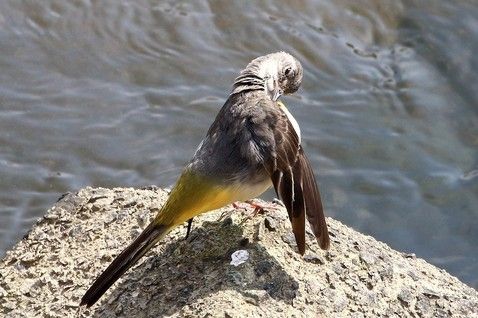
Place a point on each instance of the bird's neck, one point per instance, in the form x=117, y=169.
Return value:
x=248, y=81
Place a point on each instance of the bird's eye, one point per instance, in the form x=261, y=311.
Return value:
x=288, y=71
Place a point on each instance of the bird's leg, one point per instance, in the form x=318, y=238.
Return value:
x=188, y=231
x=258, y=207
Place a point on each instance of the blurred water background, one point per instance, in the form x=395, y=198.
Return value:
x=119, y=93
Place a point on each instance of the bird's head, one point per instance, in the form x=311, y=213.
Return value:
x=277, y=73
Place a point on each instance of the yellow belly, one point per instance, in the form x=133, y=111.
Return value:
x=193, y=195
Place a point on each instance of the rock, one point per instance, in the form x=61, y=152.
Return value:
x=367, y=258
x=406, y=296
x=263, y=267
x=314, y=258
x=270, y=223
x=289, y=238
x=48, y=272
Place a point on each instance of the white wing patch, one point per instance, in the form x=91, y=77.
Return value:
x=198, y=148
x=292, y=120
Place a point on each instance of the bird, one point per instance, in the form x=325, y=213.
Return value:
x=254, y=143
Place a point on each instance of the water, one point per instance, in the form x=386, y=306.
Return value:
x=119, y=93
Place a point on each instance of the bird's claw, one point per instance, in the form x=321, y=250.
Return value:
x=258, y=207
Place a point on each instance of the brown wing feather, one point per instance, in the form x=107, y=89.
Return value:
x=294, y=182
x=313, y=202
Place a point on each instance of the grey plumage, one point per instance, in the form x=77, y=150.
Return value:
x=253, y=140
x=241, y=136
x=253, y=143
x=238, y=141
x=270, y=71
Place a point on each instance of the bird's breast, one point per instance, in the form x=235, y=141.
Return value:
x=245, y=191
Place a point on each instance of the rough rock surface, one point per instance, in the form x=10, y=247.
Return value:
x=46, y=273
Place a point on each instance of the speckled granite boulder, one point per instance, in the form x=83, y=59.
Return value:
x=47, y=272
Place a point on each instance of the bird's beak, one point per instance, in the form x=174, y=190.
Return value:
x=272, y=89
x=277, y=93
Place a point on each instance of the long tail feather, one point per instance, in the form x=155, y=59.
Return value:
x=145, y=241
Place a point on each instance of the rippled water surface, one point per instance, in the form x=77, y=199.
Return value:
x=119, y=93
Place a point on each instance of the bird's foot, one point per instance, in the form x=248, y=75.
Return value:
x=258, y=207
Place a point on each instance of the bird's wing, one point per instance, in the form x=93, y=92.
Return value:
x=294, y=182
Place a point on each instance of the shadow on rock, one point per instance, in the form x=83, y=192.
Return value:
x=188, y=270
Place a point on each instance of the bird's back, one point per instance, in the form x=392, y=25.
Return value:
x=239, y=140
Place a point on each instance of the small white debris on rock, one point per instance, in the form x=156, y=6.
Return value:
x=239, y=257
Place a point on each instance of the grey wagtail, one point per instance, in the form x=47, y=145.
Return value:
x=253, y=143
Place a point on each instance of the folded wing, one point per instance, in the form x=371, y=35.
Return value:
x=294, y=182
